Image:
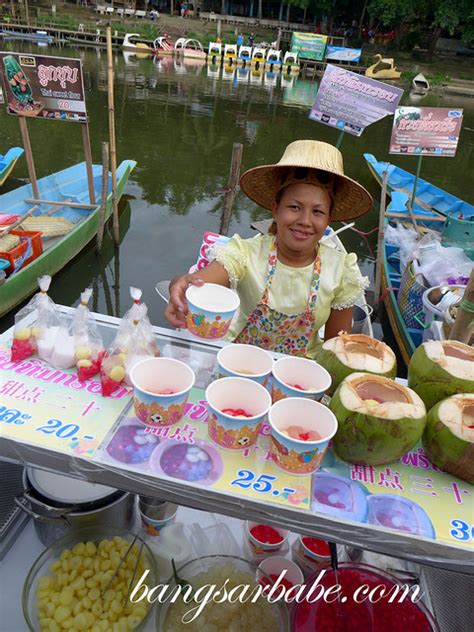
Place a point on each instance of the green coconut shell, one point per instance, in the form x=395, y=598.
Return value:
x=339, y=371
x=446, y=450
x=431, y=381
x=365, y=439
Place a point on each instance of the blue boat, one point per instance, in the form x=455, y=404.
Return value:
x=430, y=201
x=68, y=186
x=435, y=209
x=41, y=37
x=8, y=162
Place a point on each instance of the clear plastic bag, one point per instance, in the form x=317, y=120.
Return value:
x=37, y=336
x=88, y=345
x=134, y=342
x=440, y=265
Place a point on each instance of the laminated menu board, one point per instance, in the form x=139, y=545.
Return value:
x=43, y=87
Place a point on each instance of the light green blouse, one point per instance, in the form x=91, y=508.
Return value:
x=246, y=263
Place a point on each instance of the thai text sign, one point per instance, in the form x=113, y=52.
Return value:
x=426, y=131
x=43, y=87
x=351, y=102
x=341, y=53
x=309, y=45
x=51, y=409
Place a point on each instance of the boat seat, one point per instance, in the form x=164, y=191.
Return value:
x=398, y=202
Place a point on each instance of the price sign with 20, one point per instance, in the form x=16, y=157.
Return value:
x=263, y=484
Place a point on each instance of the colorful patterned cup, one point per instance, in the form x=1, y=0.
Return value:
x=160, y=390
x=156, y=514
x=296, y=456
x=299, y=377
x=236, y=393
x=246, y=361
x=260, y=546
x=211, y=308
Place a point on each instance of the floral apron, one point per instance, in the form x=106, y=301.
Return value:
x=272, y=330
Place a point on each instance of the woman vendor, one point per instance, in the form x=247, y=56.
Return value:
x=288, y=282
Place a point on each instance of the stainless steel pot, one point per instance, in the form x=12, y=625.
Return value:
x=53, y=518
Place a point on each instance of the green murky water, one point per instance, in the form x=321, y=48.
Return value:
x=179, y=123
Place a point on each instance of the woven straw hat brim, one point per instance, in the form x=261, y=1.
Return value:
x=351, y=199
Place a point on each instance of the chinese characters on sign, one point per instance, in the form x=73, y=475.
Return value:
x=351, y=102
x=426, y=131
x=43, y=87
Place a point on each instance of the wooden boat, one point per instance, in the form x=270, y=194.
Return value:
x=8, y=162
x=69, y=184
x=384, y=68
x=39, y=36
x=431, y=202
x=420, y=85
x=434, y=209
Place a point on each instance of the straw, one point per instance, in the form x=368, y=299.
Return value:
x=109, y=583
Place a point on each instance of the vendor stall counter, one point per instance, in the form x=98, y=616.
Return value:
x=49, y=420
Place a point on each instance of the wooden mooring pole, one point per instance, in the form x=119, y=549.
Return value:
x=231, y=188
x=105, y=190
x=380, y=236
x=113, y=150
x=463, y=327
x=28, y=155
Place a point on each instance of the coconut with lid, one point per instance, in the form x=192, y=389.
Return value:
x=449, y=436
x=379, y=420
x=348, y=353
x=440, y=368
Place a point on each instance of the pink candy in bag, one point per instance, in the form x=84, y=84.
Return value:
x=134, y=342
x=36, y=325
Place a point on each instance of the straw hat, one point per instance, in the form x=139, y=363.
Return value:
x=350, y=199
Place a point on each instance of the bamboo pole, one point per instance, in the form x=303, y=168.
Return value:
x=464, y=324
x=28, y=155
x=86, y=141
x=231, y=188
x=113, y=152
x=379, y=261
x=105, y=190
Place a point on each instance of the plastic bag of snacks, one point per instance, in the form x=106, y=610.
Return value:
x=39, y=334
x=134, y=342
x=88, y=345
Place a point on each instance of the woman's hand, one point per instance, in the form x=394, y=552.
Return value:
x=177, y=307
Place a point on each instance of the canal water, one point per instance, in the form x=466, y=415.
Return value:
x=179, y=121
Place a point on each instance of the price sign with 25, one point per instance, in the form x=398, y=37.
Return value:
x=263, y=484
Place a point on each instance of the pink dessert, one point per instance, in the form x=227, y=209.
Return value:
x=318, y=547
x=348, y=615
x=236, y=412
x=266, y=534
x=297, y=432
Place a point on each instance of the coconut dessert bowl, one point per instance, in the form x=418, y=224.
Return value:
x=300, y=433
x=211, y=308
x=161, y=388
x=448, y=438
x=440, y=368
x=379, y=419
x=248, y=361
x=351, y=353
x=299, y=377
x=237, y=408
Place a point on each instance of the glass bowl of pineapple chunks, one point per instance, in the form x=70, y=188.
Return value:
x=85, y=580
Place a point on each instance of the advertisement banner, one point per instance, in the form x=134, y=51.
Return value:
x=341, y=53
x=43, y=87
x=426, y=131
x=351, y=102
x=309, y=45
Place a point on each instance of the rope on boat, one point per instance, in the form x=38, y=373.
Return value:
x=362, y=232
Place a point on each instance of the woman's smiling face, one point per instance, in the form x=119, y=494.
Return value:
x=302, y=216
